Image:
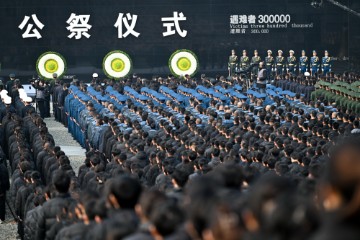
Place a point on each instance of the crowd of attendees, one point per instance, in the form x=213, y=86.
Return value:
x=186, y=159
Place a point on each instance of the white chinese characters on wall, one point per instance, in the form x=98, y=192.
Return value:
x=79, y=26
x=31, y=31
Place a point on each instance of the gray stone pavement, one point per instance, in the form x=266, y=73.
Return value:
x=67, y=143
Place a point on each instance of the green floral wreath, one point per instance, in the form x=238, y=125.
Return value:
x=113, y=68
x=47, y=67
x=183, y=63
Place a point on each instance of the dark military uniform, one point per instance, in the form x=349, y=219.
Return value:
x=56, y=91
x=10, y=83
x=269, y=65
x=232, y=65
x=291, y=64
x=279, y=65
x=315, y=64
x=244, y=63
x=303, y=64
x=255, y=60
x=345, y=95
x=326, y=64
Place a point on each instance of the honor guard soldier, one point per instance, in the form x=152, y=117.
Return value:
x=269, y=64
x=255, y=60
x=279, y=63
x=326, y=63
x=291, y=63
x=244, y=61
x=233, y=63
x=303, y=63
x=314, y=63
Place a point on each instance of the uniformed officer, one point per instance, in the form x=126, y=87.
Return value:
x=326, y=63
x=269, y=64
x=279, y=63
x=314, y=63
x=52, y=82
x=9, y=107
x=233, y=63
x=291, y=62
x=10, y=83
x=95, y=79
x=255, y=60
x=40, y=97
x=303, y=63
x=244, y=61
x=48, y=90
x=56, y=91
x=27, y=107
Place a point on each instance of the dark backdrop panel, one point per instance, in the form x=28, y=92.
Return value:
x=208, y=26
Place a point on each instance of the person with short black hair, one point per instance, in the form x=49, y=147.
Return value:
x=54, y=207
x=165, y=220
x=122, y=195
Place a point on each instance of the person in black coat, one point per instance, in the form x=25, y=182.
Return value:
x=27, y=108
x=54, y=207
x=21, y=197
x=61, y=102
x=56, y=91
x=32, y=218
x=47, y=92
x=40, y=97
x=4, y=187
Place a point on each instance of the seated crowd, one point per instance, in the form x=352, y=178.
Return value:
x=187, y=159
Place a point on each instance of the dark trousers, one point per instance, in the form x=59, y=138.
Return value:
x=261, y=87
x=54, y=103
x=291, y=70
x=279, y=70
x=2, y=206
x=314, y=71
x=2, y=138
x=302, y=69
x=232, y=69
x=47, y=107
x=255, y=70
x=59, y=114
x=326, y=70
x=268, y=73
x=55, y=111
x=41, y=106
x=64, y=118
x=21, y=229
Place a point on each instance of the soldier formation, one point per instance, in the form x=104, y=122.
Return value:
x=280, y=64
